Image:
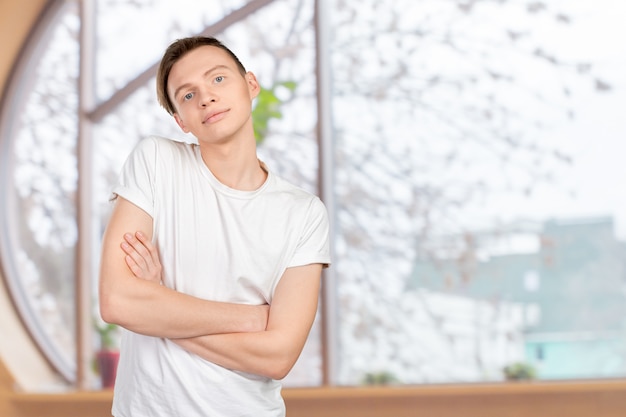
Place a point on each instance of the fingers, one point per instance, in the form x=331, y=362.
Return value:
x=135, y=261
x=133, y=248
x=134, y=267
x=139, y=246
x=142, y=256
x=147, y=244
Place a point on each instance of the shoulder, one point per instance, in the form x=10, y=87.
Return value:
x=159, y=148
x=289, y=190
x=160, y=143
x=298, y=198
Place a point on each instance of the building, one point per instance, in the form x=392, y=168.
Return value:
x=575, y=273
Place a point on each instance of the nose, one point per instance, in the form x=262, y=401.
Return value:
x=207, y=97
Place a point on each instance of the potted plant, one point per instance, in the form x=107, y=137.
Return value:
x=519, y=371
x=108, y=355
x=380, y=378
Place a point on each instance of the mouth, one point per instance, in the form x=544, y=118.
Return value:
x=214, y=116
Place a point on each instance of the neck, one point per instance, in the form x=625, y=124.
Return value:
x=235, y=165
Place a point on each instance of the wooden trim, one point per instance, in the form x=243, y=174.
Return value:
x=574, y=399
x=538, y=399
x=17, y=17
x=81, y=403
x=7, y=383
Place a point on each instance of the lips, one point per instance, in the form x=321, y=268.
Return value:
x=214, y=116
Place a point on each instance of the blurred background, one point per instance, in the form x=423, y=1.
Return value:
x=470, y=154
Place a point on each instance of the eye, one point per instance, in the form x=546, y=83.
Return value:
x=219, y=79
x=187, y=96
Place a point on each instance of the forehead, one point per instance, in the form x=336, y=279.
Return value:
x=196, y=62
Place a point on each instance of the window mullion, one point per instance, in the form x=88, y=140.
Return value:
x=329, y=304
x=84, y=246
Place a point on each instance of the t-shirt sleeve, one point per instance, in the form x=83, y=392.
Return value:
x=137, y=178
x=314, y=245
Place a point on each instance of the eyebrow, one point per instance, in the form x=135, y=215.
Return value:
x=207, y=72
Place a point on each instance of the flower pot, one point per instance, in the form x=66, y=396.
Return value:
x=107, y=367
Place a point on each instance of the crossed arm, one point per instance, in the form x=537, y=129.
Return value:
x=264, y=340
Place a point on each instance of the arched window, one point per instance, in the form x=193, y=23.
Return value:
x=470, y=144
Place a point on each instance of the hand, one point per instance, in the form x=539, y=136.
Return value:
x=142, y=257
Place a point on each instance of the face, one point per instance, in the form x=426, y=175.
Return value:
x=213, y=100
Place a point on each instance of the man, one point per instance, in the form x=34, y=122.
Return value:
x=218, y=288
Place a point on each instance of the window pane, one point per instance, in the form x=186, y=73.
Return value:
x=473, y=144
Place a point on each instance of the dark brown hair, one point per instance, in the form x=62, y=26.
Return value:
x=176, y=51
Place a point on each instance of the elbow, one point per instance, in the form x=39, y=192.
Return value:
x=281, y=356
x=108, y=311
x=107, y=301
x=115, y=303
x=281, y=366
x=278, y=372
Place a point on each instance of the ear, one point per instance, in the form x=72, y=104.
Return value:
x=180, y=123
x=253, y=85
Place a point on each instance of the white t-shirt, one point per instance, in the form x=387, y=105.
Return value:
x=219, y=244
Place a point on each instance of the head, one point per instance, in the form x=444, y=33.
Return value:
x=175, y=52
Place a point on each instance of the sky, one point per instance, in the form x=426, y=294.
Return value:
x=597, y=137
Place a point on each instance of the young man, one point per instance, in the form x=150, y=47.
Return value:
x=218, y=288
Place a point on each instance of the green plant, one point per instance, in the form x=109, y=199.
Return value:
x=268, y=106
x=107, y=333
x=519, y=371
x=380, y=378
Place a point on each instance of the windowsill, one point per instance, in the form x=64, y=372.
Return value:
x=598, y=398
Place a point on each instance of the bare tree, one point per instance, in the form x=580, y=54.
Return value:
x=437, y=105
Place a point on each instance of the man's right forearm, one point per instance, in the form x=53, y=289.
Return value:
x=154, y=310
